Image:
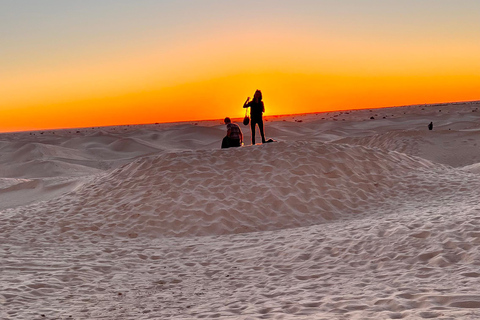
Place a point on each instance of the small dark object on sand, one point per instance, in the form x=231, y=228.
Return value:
x=430, y=126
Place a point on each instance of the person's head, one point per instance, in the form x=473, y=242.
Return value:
x=227, y=120
x=257, y=96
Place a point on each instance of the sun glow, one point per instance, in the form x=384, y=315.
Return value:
x=206, y=69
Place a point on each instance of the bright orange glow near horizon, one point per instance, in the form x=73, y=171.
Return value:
x=164, y=62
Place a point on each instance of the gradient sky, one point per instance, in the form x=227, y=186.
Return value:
x=106, y=62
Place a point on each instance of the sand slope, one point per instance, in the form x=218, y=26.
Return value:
x=276, y=186
x=346, y=217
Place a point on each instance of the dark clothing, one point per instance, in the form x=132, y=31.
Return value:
x=258, y=121
x=235, y=131
x=229, y=143
x=256, y=109
x=256, y=117
x=234, y=135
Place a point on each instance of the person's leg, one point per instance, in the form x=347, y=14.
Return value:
x=260, y=126
x=235, y=143
x=226, y=143
x=252, y=127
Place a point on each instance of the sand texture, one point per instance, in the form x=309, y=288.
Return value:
x=361, y=214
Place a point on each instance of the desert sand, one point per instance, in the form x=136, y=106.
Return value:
x=361, y=214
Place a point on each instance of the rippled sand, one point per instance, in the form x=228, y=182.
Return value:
x=345, y=217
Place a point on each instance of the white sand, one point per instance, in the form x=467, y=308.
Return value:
x=346, y=217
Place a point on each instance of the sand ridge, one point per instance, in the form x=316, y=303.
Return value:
x=276, y=186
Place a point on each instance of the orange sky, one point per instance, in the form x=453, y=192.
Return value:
x=146, y=67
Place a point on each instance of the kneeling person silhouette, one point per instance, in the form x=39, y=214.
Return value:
x=234, y=136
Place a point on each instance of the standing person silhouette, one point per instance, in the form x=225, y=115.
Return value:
x=257, y=109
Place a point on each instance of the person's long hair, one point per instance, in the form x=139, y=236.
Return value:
x=255, y=96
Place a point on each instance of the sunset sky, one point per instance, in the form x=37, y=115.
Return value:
x=107, y=62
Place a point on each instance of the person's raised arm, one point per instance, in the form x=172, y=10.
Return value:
x=245, y=105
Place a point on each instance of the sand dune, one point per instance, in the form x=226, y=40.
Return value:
x=276, y=186
x=346, y=217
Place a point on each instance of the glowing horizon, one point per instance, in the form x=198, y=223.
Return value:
x=100, y=63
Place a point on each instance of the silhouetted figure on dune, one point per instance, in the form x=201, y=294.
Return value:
x=430, y=126
x=234, y=136
x=257, y=108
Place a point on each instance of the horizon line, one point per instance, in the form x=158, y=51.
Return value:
x=221, y=119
